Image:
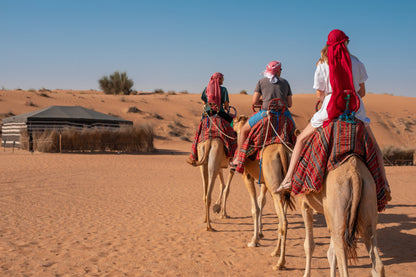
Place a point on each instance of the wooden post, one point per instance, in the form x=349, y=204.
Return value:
x=60, y=142
x=414, y=157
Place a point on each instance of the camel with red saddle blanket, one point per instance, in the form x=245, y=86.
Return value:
x=348, y=200
x=213, y=160
x=214, y=144
x=338, y=175
x=274, y=167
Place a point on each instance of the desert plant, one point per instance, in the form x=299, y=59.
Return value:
x=243, y=92
x=398, y=155
x=159, y=91
x=117, y=83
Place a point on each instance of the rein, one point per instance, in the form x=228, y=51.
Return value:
x=213, y=123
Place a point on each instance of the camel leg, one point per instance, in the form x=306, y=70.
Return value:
x=332, y=259
x=273, y=175
x=204, y=175
x=309, y=245
x=282, y=232
x=334, y=208
x=255, y=210
x=214, y=165
x=218, y=206
x=367, y=218
x=261, y=200
x=226, y=193
x=377, y=269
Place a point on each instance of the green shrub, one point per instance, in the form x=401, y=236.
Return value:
x=117, y=83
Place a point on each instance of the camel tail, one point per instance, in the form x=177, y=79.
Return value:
x=288, y=201
x=205, y=156
x=351, y=212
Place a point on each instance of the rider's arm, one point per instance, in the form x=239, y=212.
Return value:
x=226, y=105
x=289, y=101
x=321, y=95
x=361, y=91
x=257, y=98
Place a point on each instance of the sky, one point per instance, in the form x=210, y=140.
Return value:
x=178, y=44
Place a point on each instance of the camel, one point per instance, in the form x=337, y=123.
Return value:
x=349, y=202
x=212, y=161
x=274, y=167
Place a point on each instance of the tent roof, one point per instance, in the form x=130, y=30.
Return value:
x=65, y=113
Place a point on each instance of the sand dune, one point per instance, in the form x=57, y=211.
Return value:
x=141, y=215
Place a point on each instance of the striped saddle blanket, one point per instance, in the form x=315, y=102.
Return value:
x=264, y=133
x=214, y=127
x=328, y=148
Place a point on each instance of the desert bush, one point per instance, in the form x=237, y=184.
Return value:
x=171, y=92
x=43, y=94
x=157, y=116
x=243, y=92
x=117, y=83
x=134, y=110
x=30, y=103
x=159, y=91
x=398, y=155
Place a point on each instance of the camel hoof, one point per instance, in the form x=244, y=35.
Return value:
x=253, y=244
x=278, y=267
x=216, y=208
x=224, y=216
x=210, y=229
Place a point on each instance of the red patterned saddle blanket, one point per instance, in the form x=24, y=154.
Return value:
x=264, y=133
x=214, y=127
x=329, y=147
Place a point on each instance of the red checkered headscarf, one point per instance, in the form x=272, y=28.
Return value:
x=213, y=90
x=340, y=76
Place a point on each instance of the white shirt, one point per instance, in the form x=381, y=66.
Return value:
x=321, y=82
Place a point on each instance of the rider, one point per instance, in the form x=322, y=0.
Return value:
x=216, y=101
x=336, y=72
x=216, y=96
x=270, y=87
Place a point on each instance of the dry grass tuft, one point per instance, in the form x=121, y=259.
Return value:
x=129, y=139
x=398, y=155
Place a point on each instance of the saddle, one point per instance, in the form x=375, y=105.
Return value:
x=277, y=126
x=329, y=147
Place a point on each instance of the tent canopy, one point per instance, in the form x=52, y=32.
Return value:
x=66, y=113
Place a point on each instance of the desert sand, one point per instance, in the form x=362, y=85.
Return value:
x=101, y=214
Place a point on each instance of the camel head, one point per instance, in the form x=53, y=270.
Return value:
x=238, y=122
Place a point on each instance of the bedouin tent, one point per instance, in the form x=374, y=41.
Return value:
x=56, y=117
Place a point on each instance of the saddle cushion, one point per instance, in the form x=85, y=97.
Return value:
x=216, y=128
x=329, y=147
x=261, y=135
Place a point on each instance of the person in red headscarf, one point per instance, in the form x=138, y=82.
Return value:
x=337, y=72
x=216, y=96
x=216, y=101
x=268, y=88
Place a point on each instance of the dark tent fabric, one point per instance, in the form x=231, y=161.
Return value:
x=56, y=117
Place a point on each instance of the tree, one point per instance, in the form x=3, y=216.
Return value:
x=117, y=83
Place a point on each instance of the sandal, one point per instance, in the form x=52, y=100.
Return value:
x=284, y=186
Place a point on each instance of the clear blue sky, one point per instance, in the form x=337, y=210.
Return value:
x=177, y=45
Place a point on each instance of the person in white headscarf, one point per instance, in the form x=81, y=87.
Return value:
x=270, y=87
